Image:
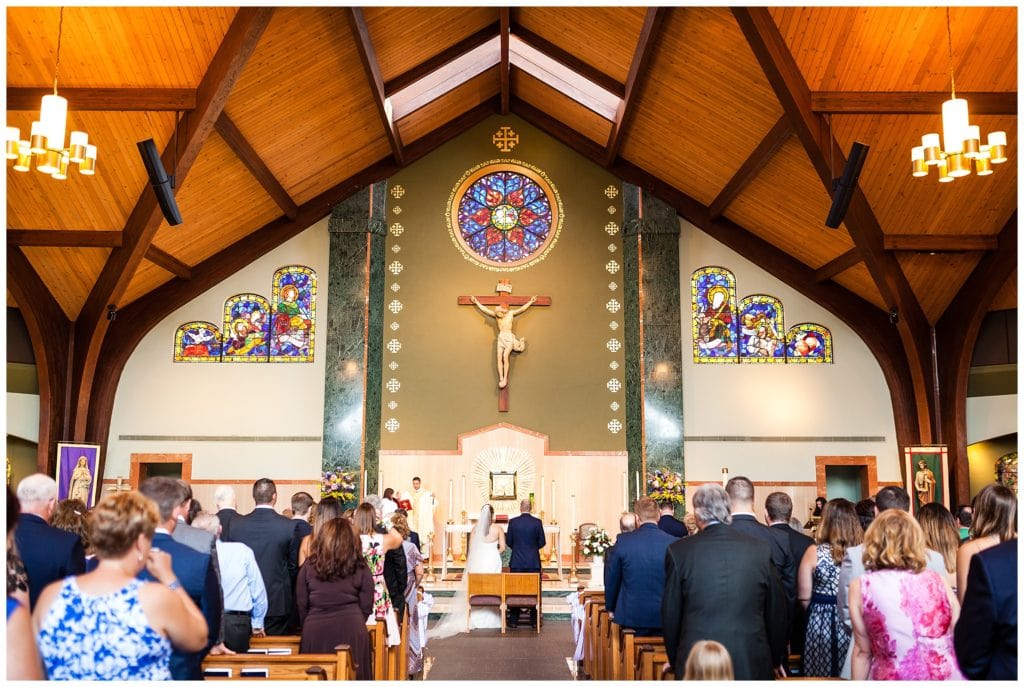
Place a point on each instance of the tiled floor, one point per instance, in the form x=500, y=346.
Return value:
x=520, y=654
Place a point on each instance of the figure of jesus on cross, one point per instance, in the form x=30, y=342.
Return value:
x=507, y=341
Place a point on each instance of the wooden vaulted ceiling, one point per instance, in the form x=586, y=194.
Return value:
x=281, y=113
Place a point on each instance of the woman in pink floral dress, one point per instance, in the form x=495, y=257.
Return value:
x=902, y=614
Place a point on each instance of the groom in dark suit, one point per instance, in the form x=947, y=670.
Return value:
x=525, y=537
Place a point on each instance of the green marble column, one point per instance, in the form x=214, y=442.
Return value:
x=654, y=392
x=355, y=304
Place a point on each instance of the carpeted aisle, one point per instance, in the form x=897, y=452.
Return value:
x=520, y=654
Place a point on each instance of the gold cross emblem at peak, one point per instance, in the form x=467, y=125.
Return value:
x=505, y=139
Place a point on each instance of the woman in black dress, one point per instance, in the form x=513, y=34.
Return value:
x=334, y=594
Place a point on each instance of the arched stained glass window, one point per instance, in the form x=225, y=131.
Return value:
x=246, y=324
x=197, y=342
x=808, y=342
x=762, y=329
x=714, y=308
x=504, y=215
x=293, y=315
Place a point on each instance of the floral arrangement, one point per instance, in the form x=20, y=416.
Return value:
x=340, y=484
x=1006, y=471
x=665, y=485
x=596, y=543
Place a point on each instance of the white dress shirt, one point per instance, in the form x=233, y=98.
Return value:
x=243, y=585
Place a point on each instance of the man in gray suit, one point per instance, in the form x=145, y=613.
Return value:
x=201, y=541
x=853, y=561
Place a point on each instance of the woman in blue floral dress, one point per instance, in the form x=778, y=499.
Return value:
x=107, y=624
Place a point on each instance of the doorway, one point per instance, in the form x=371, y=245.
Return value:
x=145, y=465
x=849, y=477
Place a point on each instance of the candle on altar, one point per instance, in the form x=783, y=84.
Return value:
x=572, y=512
x=542, y=493
x=725, y=477
x=451, y=499
x=364, y=484
x=554, y=511
x=638, y=494
x=463, y=492
x=625, y=494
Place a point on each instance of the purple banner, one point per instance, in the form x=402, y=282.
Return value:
x=76, y=472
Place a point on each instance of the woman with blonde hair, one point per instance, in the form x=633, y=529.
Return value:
x=107, y=624
x=994, y=521
x=902, y=613
x=328, y=509
x=827, y=639
x=708, y=660
x=940, y=534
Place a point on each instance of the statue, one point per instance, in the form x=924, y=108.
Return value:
x=81, y=480
x=924, y=483
x=507, y=340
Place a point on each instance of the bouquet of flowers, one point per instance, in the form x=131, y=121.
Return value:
x=341, y=484
x=665, y=485
x=596, y=543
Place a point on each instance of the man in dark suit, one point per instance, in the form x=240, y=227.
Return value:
x=668, y=521
x=49, y=554
x=272, y=538
x=985, y=636
x=525, y=537
x=193, y=569
x=224, y=501
x=778, y=509
x=741, y=505
x=634, y=572
x=720, y=584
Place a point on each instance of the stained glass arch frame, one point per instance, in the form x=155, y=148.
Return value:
x=497, y=230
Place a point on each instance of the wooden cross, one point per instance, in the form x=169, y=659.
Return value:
x=506, y=299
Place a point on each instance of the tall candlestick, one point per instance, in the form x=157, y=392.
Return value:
x=638, y=494
x=542, y=493
x=451, y=499
x=625, y=493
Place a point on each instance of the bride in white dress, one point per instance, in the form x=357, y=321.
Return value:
x=486, y=543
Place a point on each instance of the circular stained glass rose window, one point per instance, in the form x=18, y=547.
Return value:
x=504, y=215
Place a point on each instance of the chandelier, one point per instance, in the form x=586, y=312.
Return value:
x=45, y=145
x=961, y=140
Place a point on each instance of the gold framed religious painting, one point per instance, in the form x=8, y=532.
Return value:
x=503, y=486
x=926, y=470
x=77, y=477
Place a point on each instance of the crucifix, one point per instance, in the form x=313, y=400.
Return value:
x=503, y=316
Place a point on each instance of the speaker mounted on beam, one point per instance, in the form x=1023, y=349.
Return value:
x=163, y=185
x=843, y=187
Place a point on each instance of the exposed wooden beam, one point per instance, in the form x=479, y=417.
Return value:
x=64, y=238
x=926, y=103
x=165, y=260
x=838, y=265
x=441, y=59
x=793, y=93
x=569, y=60
x=139, y=317
x=50, y=332
x=750, y=168
x=870, y=323
x=107, y=99
x=956, y=334
x=653, y=20
x=940, y=243
x=145, y=218
x=506, y=78
x=254, y=163
x=368, y=56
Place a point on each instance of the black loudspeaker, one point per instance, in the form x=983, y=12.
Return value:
x=842, y=188
x=160, y=181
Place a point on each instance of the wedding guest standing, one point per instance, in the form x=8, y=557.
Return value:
x=23, y=661
x=940, y=534
x=334, y=593
x=328, y=509
x=986, y=634
x=994, y=521
x=902, y=614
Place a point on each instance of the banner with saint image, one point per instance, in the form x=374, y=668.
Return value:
x=77, y=476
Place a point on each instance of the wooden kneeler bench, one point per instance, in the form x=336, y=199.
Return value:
x=632, y=646
x=336, y=666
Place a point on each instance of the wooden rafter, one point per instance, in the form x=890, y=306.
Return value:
x=165, y=260
x=368, y=56
x=750, y=168
x=254, y=163
x=506, y=78
x=84, y=238
x=107, y=99
x=838, y=265
x=653, y=20
x=927, y=103
x=786, y=80
x=569, y=60
x=145, y=219
x=939, y=243
x=438, y=61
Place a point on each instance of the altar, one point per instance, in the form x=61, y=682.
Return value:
x=459, y=529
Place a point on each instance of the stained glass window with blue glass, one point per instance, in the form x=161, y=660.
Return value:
x=762, y=338
x=713, y=291
x=808, y=342
x=246, y=325
x=293, y=314
x=197, y=342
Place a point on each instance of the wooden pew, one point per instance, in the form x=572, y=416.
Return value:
x=389, y=662
x=276, y=642
x=652, y=661
x=336, y=666
x=593, y=602
x=631, y=648
x=520, y=590
x=613, y=659
x=378, y=650
x=397, y=656
x=602, y=665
